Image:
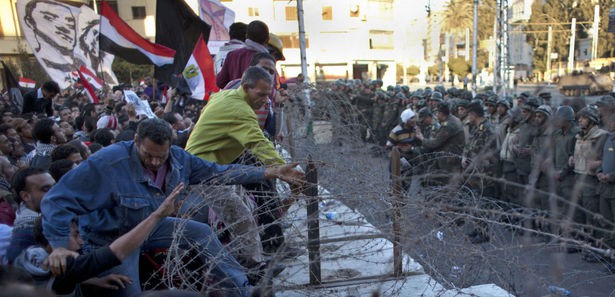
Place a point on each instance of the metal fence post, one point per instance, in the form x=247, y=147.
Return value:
x=396, y=203
x=313, y=223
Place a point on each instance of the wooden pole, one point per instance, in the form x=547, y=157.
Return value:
x=313, y=223
x=397, y=203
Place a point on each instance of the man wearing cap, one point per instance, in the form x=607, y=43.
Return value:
x=403, y=136
x=586, y=161
x=449, y=141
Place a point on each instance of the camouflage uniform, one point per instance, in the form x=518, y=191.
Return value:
x=449, y=140
x=482, y=154
x=379, y=132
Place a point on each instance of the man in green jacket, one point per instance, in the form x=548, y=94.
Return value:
x=228, y=132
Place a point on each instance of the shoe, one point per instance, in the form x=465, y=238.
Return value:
x=267, y=268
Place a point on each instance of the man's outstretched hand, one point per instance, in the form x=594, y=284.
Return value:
x=288, y=173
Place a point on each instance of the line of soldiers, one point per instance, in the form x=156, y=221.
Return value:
x=548, y=164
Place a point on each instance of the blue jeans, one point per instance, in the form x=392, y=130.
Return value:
x=224, y=267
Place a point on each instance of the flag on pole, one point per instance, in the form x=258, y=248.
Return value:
x=118, y=38
x=27, y=83
x=12, y=86
x=89, y=90
x=173, y=16
x=199, y=72
x=89, y=75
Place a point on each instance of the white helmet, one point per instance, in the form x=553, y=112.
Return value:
x=406, y=115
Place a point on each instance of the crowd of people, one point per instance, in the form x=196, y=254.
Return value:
x=549, y=163
x=88, y=189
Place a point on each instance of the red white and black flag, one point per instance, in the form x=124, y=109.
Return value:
x=199, y=72
x=89, y=90
x=117, y=38
x=173, y=16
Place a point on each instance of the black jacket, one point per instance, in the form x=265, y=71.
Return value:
x=31, y=103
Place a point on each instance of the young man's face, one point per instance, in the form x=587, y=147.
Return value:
x=37, y=186
x=151, y=154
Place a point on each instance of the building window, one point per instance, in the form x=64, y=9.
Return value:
x=253, y=11
x=327, y=13
x=291, y=13
x=292, y=40
x=138, y=12
x=354, y=10
x=380, y=39
x=112, y=4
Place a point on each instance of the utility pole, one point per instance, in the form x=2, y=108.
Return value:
x=474, y=46
x=467, y=55
x=549, y=40
x=302, y=52
x=302, y=37
x=573, y=28
x=595, y=32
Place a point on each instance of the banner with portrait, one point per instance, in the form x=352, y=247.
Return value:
x=62, y=38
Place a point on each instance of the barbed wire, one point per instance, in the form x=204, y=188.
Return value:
x=525, y=252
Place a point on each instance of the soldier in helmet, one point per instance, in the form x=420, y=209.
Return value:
x=434, y=100
x=606, y=177
x=490, y=104
x=448, y=140
x=364, y=103
x=502, y=108
x=606, y=107
x=427, y=123
x=522, y=98
x=523, y=148
x=541, y=156
x=564, y=138
x=415, y=98
x=462, y=114
x=379, y=131
x=406, y=91
x=586, y=161
x=480, y=157
x=507, y=158
x=546, y=98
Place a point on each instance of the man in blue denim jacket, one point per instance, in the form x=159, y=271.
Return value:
x=119, y=186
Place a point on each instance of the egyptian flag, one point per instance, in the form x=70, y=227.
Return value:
x=89, y=75
x=178, y=27
x=117, y=38
x=12, y=86
x=89, y=90
x=27, y=83
x=199, y=72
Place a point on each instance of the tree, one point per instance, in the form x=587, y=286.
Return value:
x=456, y=18
x=558, y=14
x=128, y=72
x=413, y=70
x=459, y=66
x=26, y=65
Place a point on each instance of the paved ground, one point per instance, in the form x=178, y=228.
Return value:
x=524, y=265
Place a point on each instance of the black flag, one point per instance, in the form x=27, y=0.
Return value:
x=12, y=86
x=179, y=28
